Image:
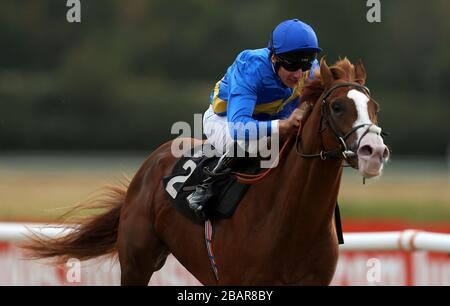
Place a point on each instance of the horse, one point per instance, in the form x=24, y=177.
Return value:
x=283, y=231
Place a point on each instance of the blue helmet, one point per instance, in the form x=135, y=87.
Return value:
x=293, y=35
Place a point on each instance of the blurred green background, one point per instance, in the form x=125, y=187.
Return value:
x=118, y=80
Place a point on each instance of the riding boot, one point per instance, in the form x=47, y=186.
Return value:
x=203, y=192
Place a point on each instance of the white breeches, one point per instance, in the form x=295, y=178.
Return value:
x=218, y=133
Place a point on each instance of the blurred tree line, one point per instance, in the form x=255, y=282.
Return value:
x=130, y=69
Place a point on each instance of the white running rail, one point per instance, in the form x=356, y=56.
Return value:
x=407, y=240
x=16, y=232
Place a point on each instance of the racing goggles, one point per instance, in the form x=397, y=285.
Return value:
x=299, y=61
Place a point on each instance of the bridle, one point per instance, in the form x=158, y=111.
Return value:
x=343, y=150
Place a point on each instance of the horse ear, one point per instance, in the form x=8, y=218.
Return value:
x=360, y=73
x=325, y=73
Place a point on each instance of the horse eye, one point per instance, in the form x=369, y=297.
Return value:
x=337, y=108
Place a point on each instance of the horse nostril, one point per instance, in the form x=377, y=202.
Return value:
x=365, y=150
x=385, y=153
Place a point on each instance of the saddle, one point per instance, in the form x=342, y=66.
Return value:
x=190, y=171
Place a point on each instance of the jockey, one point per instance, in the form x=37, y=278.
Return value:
x=261, y=89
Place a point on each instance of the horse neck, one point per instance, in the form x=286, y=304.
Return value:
x=313, y=183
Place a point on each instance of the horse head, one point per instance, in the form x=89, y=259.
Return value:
x=348, y=117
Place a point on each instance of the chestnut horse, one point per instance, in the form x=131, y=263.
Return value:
x=283, y=231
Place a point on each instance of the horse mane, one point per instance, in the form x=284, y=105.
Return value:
x=342, y=70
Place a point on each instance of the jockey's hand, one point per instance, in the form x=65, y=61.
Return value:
x=291, y=124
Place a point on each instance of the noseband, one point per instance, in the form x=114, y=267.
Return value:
x=342, y=151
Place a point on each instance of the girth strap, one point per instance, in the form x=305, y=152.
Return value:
x=338, y=224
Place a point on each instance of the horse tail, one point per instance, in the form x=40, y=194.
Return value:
x=89, y=237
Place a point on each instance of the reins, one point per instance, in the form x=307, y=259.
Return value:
x=245, y=178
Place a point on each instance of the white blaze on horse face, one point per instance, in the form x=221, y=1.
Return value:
x=361, y=103
x=371, y=152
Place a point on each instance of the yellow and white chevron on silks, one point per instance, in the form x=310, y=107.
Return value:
x=270, y=108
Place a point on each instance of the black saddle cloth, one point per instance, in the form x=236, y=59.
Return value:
x=188, y=172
